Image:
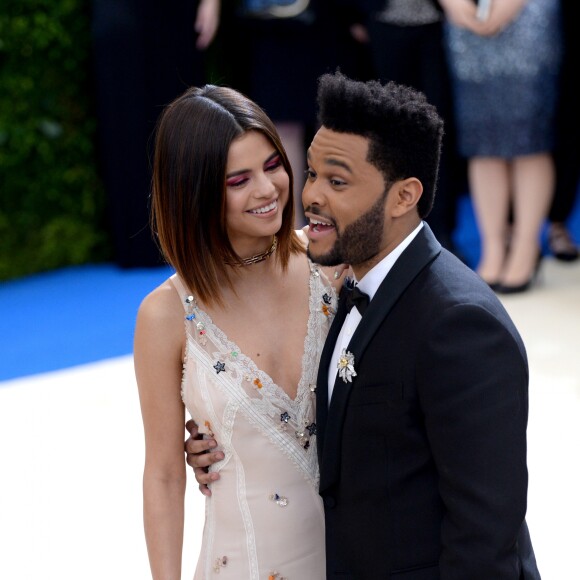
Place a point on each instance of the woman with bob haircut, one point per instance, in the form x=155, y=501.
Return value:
x=234, y=337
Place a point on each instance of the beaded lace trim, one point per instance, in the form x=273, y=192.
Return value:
x=250, y=390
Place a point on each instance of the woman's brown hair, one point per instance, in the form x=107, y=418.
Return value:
x=193, y=137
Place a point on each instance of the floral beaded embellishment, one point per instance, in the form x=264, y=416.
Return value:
x=327, y=309
x=201, y=338
x=190, y=301
x=302, y=439
x=346, y=366
x=190, y=316
x=206, y=429
x=301, y=434
x=220, y=563
x=274, y=575
x=279, y=499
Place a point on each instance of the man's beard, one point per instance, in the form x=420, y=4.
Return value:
x=359, y=242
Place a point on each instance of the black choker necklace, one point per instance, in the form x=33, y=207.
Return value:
x=257, y=257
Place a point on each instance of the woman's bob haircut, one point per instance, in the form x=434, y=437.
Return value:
x=192, y=141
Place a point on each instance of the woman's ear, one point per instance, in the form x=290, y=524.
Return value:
x=408, y=193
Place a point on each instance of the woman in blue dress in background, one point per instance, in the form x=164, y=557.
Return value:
x=504, y=65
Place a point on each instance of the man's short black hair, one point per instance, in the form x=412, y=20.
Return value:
x=404, y=130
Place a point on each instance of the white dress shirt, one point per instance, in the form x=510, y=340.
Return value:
x=369, y=283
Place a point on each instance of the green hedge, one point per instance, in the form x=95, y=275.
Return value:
x=52, y=203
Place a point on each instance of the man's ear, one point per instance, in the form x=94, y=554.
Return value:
x=408, y=193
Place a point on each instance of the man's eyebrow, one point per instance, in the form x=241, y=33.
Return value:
x=333, y=162
x=337, y=163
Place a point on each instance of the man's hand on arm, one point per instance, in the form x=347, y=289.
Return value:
x=200, y=456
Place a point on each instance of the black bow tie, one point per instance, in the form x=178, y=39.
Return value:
x=358, y=298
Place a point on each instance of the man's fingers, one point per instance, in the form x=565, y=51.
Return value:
x=199, y=456
x=195, y=446
x=203, y=460
x=191, y=426
x=203, y=477
x=205, y=490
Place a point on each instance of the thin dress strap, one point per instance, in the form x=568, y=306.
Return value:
x=180, y=289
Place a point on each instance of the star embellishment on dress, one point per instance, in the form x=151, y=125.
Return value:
x=346, y=366
x=219, y=367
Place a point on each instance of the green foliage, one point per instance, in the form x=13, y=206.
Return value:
x=51, y=200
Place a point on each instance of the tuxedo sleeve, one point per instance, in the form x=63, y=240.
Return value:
x=473, y=389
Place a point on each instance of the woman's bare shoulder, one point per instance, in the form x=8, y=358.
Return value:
x=162, y=306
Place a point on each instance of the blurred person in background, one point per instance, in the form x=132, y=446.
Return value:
x=280, y=51
x=405, y=39
x=567, y=152
x=146, y=52
x=504, y=64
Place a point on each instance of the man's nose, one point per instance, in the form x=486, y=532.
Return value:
x=312, y=194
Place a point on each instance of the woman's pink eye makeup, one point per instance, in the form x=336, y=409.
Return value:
x=237, y=180
x=240, y=179
x=274, y=163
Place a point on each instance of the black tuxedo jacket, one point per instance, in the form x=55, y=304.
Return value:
x=423, y=456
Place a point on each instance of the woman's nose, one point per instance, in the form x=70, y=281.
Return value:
x=265, y=186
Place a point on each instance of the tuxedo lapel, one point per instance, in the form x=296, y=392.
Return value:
x=422, y=250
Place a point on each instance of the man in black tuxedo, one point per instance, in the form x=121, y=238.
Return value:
x=422, y=391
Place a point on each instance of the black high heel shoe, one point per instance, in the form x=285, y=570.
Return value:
x=525, y=286
x=561, y=244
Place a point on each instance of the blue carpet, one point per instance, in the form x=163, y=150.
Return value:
x=83, y=314
x=70, y=316
x=466, y=235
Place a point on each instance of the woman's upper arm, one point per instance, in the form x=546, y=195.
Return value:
x=158, y=351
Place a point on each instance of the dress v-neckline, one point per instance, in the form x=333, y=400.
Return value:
x=227, y=350
x=227, y=345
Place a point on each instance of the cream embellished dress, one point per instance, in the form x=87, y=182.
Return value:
x=265, y=519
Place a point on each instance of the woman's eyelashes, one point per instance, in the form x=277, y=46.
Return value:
x=273, y=163
x=241, y=179
x=237, y=181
